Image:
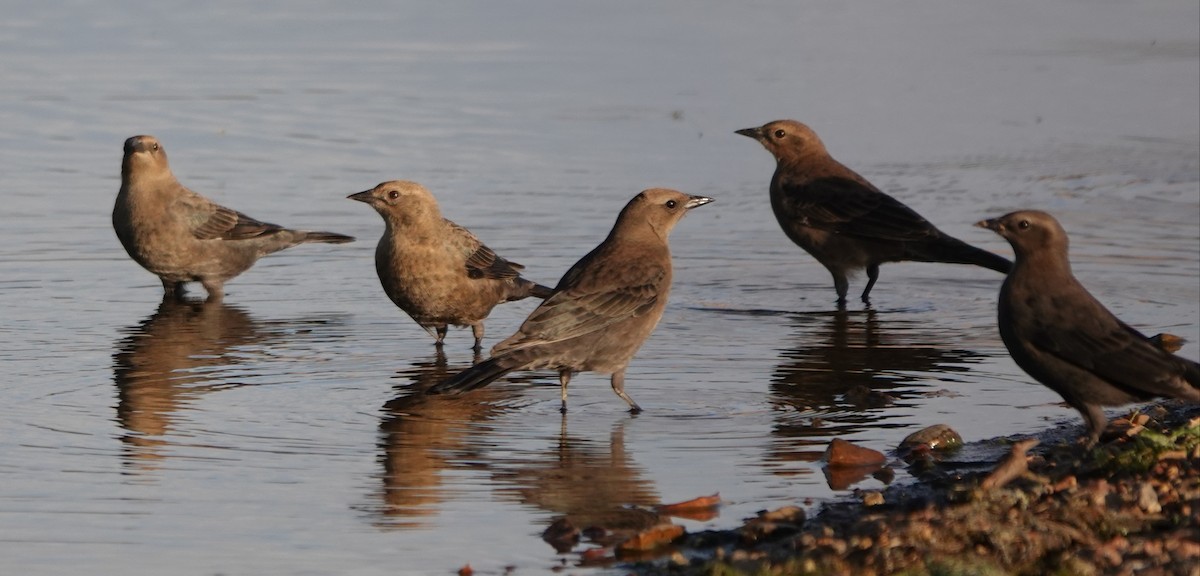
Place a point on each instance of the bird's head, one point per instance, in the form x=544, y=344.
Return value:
x=1029, y=231
x=786, y=139
x=143, y=153
x=400, y=199
x=661, y=208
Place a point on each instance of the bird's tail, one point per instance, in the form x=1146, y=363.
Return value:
x=1191, y=373
x=326, y=238
x=477, y=376
x=954, y=251
x=522, y=288
x=539, y=291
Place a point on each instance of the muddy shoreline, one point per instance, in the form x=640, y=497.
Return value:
x=1130, y=505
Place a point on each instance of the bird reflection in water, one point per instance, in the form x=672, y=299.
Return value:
x=591, y=485
x=168, y=360
x=422, y=436
x=849, y=368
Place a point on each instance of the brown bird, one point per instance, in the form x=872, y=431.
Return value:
x=846, y=223
x=184, y=237
x=436, y=271
x=604, y=307
x=1067, y=340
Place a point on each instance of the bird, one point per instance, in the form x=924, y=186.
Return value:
x=436, y=271
x=182, y=236
x=1058, y=333
x=603, y=308
x=843, y=220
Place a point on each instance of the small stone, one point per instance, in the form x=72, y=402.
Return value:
x=938, y=437
x=1148, y=499
x=844, y=453
x=787, y=514
x=872, y=498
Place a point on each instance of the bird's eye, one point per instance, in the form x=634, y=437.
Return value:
x=671, y=204
x=1023, y=224
x=154, y=147
x=780, y=133
x=392, y=194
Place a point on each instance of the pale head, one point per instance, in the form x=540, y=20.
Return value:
x=143, y=154
x=660, y=208
x=786, y=139
x=400, y=198
x=1029, y=232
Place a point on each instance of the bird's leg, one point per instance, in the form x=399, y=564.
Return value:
x=440, y=335
x=564, y=378
x=841, y=284
x=618, y=386
x=215, y=288
x=872, y=276
x=1096, y=422
x=477, y=331
x=174, y=290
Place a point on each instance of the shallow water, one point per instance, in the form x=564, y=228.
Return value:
x=280, y=433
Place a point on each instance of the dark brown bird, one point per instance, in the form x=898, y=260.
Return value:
x=604, y=307
x=1067, y=340
x=184, y=237
x=846, y=223
x=436, y=271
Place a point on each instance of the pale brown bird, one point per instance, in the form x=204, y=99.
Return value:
x=1066, y=339
x=604, y=307
x=436, y=271
x=184, y=237
x=844, y=221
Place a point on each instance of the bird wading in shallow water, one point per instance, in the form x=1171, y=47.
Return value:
x=182, y=236
x=436, y=271
x=604, y=307
x=846, y=223
x=1067, y=340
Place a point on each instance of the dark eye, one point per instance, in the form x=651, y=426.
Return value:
x=392, y=194
x=780, y=133
x=154, y=147
x=671, y=204
x=1023, y=224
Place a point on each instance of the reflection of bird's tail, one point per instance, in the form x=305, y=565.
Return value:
x=326, y=238
x=955, y=251
x=477, y=376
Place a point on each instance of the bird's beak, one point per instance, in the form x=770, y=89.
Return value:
x=364, y=196
x=755, y=133
x=696, y=201
x=992, y=224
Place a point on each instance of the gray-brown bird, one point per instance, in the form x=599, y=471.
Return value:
x=844, y=221
x=184, y=237
x=436, y=271
x=603, y=308
x=1067, y=340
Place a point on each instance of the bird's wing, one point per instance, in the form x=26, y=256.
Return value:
x=209, y=220
x=1110, y=349
x=846, y=206
x=583, y=309
x=482, y=262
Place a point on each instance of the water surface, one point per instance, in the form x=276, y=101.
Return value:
x=283, y=431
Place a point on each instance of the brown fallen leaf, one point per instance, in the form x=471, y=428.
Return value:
x=1169, y=342
x=702, y=509
x=651, y=538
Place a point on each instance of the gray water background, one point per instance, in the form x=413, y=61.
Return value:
x=278, y=433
